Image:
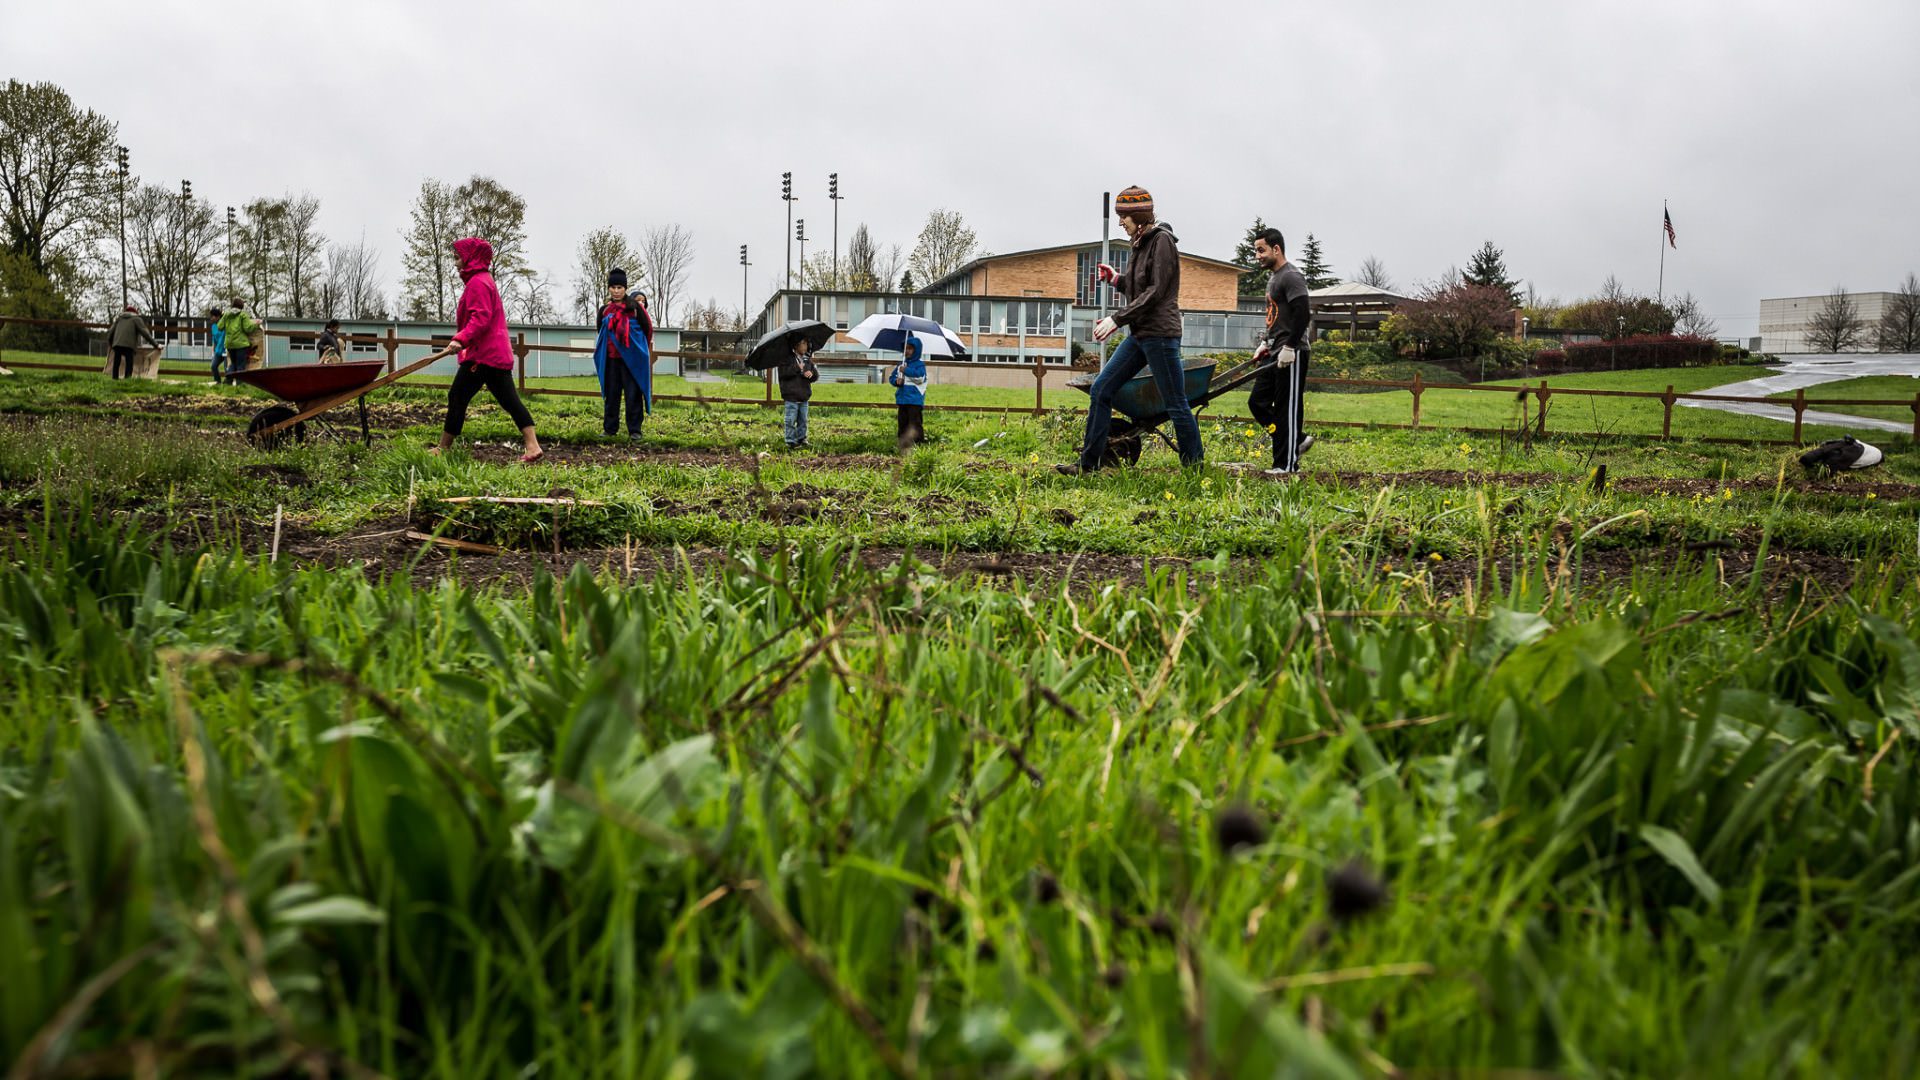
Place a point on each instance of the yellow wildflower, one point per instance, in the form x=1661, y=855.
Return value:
x=1435, y=556
x=1206, y=482
x=1271, y=429
x=1167, y=495
x=1033, y=459
x=1873, y=495
x=1726, y=493
x=1466, y=448
x=1387, y=567
x=1252, y=431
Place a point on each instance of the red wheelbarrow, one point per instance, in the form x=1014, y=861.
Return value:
x=308, y=390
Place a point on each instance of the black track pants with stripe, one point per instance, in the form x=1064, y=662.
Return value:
x=1278, y=401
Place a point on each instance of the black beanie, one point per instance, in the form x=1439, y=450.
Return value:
x=616, y=276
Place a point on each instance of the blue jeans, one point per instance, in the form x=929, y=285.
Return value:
x=795, y=425
x=1162, y=354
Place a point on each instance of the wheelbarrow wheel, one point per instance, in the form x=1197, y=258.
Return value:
x=1123, y=444
x=269, y=416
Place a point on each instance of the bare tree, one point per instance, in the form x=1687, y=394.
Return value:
x=302, y=246
x=257, y=261
x=668, y=252
x=859, y=267
x=818, y=272
x=598, y=252
x=529, y=298
x=711, y=316
x=1899, y=329
x=887, y=265
x=1373, y=274
x=1837, y=326
x=351, y=288
x=1690, y=319
x=429, y=279
x=56, y=172
x=170, y=242
x=945, y=245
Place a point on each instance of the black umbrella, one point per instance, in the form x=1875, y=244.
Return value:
x=778, y=344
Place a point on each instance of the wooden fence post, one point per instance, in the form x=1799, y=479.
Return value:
x=1418, y=388
x=1666, y=422
x=1540, y=423
x=1799, y=411
x=393, y=349
x=520, y=358
x=1916, y=418
x=1040, y=384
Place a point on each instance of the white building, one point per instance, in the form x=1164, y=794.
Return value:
x=1784, y=321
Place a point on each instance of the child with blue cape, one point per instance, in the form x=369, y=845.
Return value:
x=623, y=358
x=910, y=400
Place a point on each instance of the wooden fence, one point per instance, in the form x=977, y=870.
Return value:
x=1535, y=401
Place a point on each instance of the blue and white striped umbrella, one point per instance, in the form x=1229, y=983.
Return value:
x=890, y=332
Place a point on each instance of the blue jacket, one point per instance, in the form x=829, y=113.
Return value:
x=219, y=337
x=635, y=353
x=911, y=375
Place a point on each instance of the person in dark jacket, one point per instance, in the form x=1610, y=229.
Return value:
x=797, y=376
x=623, y=358
x=1151, y=286
x=124, y=336
x=328, y=344
x=910, y=399
x=1278, y=397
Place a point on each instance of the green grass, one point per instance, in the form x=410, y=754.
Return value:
x=713, y=823
x=1899, y=388
x=790, y=815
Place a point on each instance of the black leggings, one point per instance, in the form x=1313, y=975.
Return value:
x=467, y=382
x=120, y=353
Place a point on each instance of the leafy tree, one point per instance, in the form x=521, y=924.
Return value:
x=485, y=208
x=1837, y=326
x=859, y=268
x=1899, y=329
x=430, y=281
x=946, y=244
x=599, y=251
x=1253, y=280
x=1489, y=267
x=170, y=246
x=1313, y=265
x=1457, y=318
x=27, y=292
x=1616, y=312
x=258, y=259
x=56, y=173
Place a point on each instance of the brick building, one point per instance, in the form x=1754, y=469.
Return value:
x=1205, y=284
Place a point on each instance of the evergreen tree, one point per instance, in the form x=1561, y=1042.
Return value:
x=906, y=281
x=1313, y=266
x=1253, y=282
x=1489, y=267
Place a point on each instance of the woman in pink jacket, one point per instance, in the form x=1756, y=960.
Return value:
x=486, y=356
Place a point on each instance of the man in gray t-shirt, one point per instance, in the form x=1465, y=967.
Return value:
x=1278, y=396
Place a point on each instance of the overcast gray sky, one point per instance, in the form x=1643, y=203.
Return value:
x=1782, y=134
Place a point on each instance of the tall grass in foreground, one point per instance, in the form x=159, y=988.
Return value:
x=802, y=818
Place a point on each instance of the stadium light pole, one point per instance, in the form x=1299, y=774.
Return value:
x=121, y=153
x=800, y=234
x=230, y=223
x=786, y=194
x=186, y=259
x=744, y=264
x=833, y=194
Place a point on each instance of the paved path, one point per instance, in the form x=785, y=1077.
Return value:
x=1810, y=371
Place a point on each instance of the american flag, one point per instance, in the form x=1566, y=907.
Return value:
x=1668, y=220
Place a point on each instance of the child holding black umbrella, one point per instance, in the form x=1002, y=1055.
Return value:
x=797, y=376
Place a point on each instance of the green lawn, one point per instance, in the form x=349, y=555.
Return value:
x=1899, y=388
x=1436, y=761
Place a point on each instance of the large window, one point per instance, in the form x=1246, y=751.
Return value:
x=802, y=306
x=840, y=311
x=1086, y=290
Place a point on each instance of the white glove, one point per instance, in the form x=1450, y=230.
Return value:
x=1107, y=274
x=1104, y=329
x=1261, y=352
x=1287, y=357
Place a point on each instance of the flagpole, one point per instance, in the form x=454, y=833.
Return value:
x=1661, y=296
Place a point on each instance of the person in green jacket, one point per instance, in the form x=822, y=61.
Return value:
x=239, y=328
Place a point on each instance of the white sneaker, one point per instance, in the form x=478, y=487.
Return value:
x=1306, y=444
x=1278, y=473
